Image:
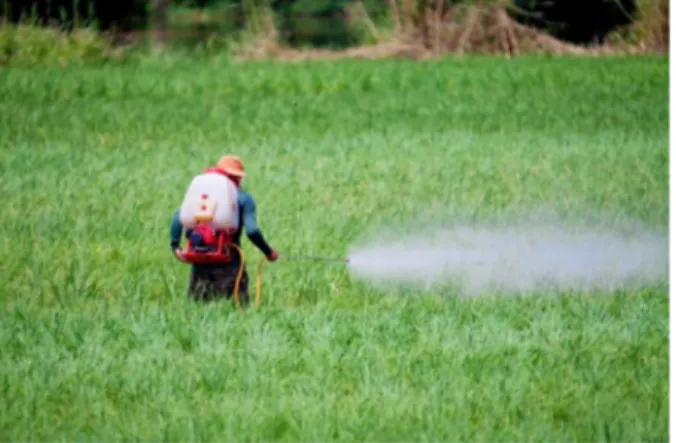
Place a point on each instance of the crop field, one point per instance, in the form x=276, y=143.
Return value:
x=100, y=342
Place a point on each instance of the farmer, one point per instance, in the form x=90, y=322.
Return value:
x=212, y=281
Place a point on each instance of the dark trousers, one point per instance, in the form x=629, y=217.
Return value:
x=215, y=282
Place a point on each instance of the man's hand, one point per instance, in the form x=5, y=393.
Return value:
x=179, y=255
x=273, y=255
x=177, y=252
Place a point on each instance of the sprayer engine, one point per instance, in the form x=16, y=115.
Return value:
x=203, y=238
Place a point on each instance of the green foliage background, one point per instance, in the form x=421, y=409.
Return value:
x=323, y=22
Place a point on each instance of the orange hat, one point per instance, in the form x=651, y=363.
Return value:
x=231, y=165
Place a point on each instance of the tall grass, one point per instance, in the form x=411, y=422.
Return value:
x=30, y=45
x=100, y=342
x=434, y=28
x=652, y=27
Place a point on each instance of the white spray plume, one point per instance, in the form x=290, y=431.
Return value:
x=517, y=257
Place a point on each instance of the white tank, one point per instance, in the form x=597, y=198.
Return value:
x=211, y=198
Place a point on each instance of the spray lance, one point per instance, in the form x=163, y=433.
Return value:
x=316, y=259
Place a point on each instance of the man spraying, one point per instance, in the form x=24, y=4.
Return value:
x=214, y=211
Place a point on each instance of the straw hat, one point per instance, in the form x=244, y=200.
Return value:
x=231, y=165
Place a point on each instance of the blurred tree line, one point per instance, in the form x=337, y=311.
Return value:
x=321, y=22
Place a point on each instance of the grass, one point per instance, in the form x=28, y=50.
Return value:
x=99, y=341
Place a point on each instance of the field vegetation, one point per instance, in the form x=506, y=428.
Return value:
x=99, y=341
x=327, y=29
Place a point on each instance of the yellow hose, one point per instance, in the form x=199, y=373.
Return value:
x=240, y=273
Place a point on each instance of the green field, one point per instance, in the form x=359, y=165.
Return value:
x=99, y=341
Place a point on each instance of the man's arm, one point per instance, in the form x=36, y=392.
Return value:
x=251, y=226
x=175, y=231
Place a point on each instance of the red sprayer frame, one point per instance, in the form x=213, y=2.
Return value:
x=222, y=255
